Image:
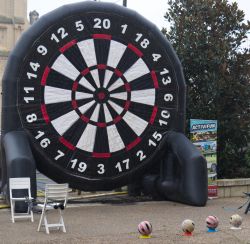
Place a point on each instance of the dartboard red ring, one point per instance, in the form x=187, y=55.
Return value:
x=97, y=92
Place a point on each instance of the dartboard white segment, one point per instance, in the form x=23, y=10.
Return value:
x=116, y=84
x=83, y=95
x=107, y=77
x=95, y=115
x=114, y=139
x=87, y=139
x=120, y=95
x=116, y=107
x=107, y=114
x=87, y=49
x=146, y=96
x=138, y=69
x=116, y=51
x=137, y=124
x=84, y=108
x=95, y=76
x=56, y=95
x=83, y=82
x=63, y=66
x=64, y=122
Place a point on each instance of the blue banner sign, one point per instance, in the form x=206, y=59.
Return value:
x=199, y=125
x=203, y=134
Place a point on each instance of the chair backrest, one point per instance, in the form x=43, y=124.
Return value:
x=20, y=183
x=57, y=192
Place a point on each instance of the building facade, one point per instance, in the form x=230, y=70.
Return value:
x=13, y=21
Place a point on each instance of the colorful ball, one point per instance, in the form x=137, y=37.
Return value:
x=212, y=222
x=188, y=226
x=145, y=228
x=236, y=220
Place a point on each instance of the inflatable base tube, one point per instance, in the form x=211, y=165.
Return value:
x=20, y=163
x=183, y=174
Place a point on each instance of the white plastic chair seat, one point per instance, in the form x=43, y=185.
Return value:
x=55, y=194
x=22, y=183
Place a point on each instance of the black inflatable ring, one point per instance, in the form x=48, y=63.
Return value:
x=98, y=86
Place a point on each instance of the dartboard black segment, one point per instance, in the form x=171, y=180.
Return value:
x=97, y=92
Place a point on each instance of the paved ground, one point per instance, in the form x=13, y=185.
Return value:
x=116, y=222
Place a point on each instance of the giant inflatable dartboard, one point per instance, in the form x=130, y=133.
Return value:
x=98, y=88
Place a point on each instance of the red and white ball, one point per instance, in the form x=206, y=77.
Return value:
x=145, y=228
x=188, y=226
x=236, y=220
x=212, y=222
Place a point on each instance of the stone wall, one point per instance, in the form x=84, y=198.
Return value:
x=233, y=187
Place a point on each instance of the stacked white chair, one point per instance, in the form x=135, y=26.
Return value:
x=22, y=184
x=56, y=197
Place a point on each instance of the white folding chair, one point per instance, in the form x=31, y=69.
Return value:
x=22, y=184
x=56, y=196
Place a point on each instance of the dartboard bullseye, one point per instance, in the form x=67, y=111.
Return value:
x=97, y=92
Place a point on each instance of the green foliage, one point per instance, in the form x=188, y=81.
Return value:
x=208, y=36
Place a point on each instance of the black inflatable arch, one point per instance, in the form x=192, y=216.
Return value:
x=95, y=86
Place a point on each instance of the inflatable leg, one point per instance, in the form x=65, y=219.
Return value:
x=183, y=175
x=19, y=162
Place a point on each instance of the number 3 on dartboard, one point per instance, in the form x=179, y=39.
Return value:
x=101, y=169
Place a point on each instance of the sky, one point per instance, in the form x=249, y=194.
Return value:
x=153, y=10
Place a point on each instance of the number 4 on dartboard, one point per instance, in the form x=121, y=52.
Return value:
x=156, y=57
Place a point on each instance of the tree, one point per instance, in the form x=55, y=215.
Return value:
x=210, y=37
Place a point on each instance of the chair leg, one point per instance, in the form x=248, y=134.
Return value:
x=40, y=221
x=12, y=209
x=62, y=222
x=46, y=224
x=30, y=212
x=63, y=227
x=32, y=216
